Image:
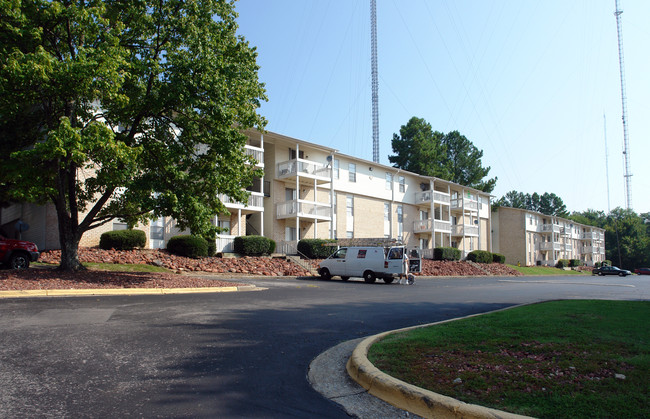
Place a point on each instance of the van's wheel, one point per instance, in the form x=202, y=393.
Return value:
x=345, y=278
x=389, y=280
x=325, y=274
x=19, y=260
x=369, y=277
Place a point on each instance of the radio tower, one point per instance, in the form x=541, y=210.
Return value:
x=375, y=89
x=626, y=144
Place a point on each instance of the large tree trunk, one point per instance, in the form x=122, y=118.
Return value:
x=69, y=240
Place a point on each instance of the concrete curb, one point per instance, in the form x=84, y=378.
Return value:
x=406, y=396
x=123, y=291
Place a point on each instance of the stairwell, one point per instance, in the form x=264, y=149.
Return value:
x=304, y=263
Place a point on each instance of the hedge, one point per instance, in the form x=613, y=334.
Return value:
x=573, y=263
x=190, y=246
x=498, y=258
x=446, y=253
x=480, y=256
x=562, y=263
x=122, y=239
x=315, y=248
x=253, y=245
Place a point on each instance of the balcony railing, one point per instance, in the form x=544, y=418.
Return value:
x=256, y=152
x=467, y=204
x=255, y=201
x=548, y=228
x=424, y=226
x=464, y=230
x=568, y=247
x=302, y=167
x=546, y=246
x=593, y=236
x=425, y=197
x=307, y=209
x=592, y=250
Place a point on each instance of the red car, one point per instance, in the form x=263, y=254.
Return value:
x=17, y=254
x=642, y=271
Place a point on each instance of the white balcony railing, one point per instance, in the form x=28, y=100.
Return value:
x=593, y=236
x=302, y=167
x=307, y=209
x=546, y=246
x=548, y=228
x=464, y=203
x=592, y=250
x=225, y=243
x=464, y=230
x=425, y=197
x=424, y=226
x=255, y=201
x=256, y=152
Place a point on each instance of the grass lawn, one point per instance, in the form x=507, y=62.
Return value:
x=577, y=358
x=545, y=270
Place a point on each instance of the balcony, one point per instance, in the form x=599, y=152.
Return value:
x=304, y=209
x=304, y=169
x=255, y=202
x=424, y=226
x=568, y=247
x=548, y=228
x=594, y=250
x=547, y=246
x=257, y=153
x=460, y=204
x=466, y=230
x=593, y=236
x=425, y=197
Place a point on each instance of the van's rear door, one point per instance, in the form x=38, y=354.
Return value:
x=394, y=263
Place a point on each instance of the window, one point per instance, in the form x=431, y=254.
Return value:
x=349, y=212
x=292, y=154
x=402, y=184
x=400, y=222
x=225, y=224
x=386, y=220
x=349, y=235
x=352, y=172
x=119, y=226
x=389, y=181
x=335, y=167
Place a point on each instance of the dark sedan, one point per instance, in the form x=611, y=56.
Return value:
x=610, y=270
x=642, y=271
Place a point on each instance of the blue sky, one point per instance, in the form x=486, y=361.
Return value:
x=528, y=82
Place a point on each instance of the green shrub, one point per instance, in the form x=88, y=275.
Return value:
x=272, y=246
x=315, y=248
x=597, y=265
x=446, y=253
x=122, y=239
x=480, y=256
x=212, y=244
x=607, y=263
x=498, y=258
x=562, y=263
x=573, y=263
x=190, y=246
x=252, y=245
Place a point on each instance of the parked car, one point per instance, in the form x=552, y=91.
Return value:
x=17, y=254
x=642, y=271
x=610, y=270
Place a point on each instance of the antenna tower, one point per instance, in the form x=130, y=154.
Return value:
x=606, y=161
x=375, y=89
x=626, y=143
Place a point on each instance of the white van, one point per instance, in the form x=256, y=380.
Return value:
x=370, y=263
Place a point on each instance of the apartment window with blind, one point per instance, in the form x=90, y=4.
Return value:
x=335, y=167
x=352, y=172
x=386, y=220
x=389, y=181
x=400, y=222
x=402, y=184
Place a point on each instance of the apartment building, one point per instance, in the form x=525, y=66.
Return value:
x=313, y=191
x=531, y=238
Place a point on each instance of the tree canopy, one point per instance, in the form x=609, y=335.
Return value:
x=420, y=149
x=547, y=203
x=129, y=110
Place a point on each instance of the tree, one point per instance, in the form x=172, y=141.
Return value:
x=450, y=156
x=128, y=110
x=548, y=203
x=627, y=240
x=463, y=162
x=419, y=149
